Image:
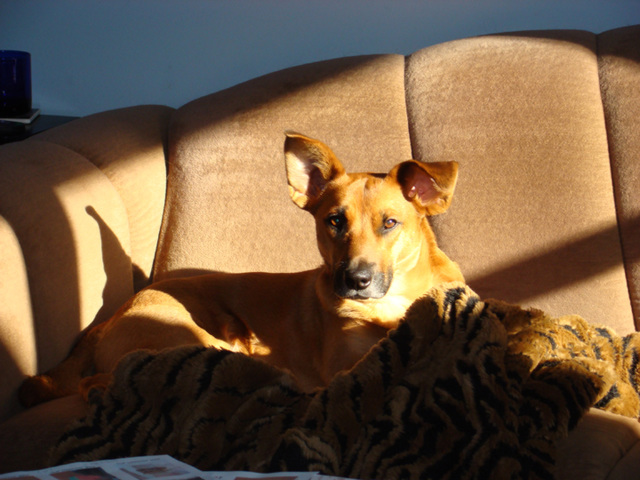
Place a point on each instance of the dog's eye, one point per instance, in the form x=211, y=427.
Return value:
x=389, y=223
x=337, y=221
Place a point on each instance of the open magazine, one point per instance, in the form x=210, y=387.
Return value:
x=156, y=467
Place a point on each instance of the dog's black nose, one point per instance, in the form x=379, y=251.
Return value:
x=361, y=281
x=358, y=279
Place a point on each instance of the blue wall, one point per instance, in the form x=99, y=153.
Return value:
x=92, y=55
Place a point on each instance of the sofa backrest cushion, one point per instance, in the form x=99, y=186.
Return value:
x=534, y=217
x=619, y=60
x=228, y=206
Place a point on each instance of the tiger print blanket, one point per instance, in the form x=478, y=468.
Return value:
x=463, y=388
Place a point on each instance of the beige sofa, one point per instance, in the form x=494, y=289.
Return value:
x=545, y=126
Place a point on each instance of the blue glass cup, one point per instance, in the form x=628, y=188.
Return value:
x=15, y=83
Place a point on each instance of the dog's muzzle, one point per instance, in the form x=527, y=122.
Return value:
x=361, y=282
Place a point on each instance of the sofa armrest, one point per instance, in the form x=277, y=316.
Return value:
x=129, y=146
x=80, y=210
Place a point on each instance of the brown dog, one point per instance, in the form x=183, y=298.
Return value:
x=379, y=253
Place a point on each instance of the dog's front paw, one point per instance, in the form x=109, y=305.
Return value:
x=95, y=384
x=37, y=389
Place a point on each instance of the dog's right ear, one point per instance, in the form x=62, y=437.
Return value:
x=310, y=166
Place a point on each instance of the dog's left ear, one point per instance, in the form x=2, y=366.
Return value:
x=310, y=166
x=429, y=185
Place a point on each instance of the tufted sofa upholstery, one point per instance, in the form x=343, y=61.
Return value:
x=545, y=126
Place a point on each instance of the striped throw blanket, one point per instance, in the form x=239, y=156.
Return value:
x=463, y=388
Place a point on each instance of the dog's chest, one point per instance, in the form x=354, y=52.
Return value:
x=348, y=346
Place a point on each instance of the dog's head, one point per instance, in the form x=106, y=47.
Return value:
x=379, y=251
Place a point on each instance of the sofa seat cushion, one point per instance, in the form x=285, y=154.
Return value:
x=26, y=438
x=603, y=445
